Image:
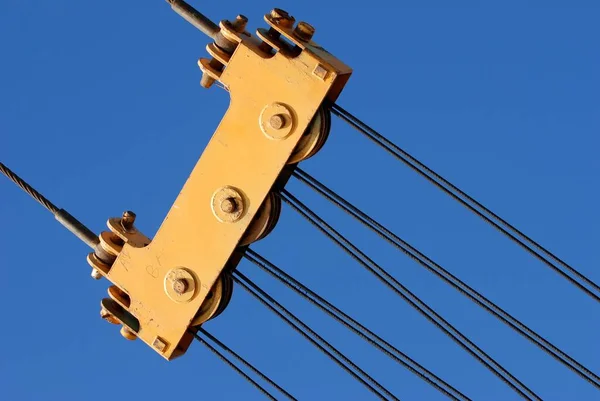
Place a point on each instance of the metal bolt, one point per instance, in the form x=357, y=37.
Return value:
x=282, y=18
x=278, y=13
x=180, y=286
x=128, y=334
x=277, y=121
x=304, y=31
x=128, y=220
x=206, y=81
x=96, y=275
x=229, y=205
x=109, y=317
x=239, y=25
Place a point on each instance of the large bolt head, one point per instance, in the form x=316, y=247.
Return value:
x=282, y=18
x=278, y=13
x=128, y=334
x=304, y=31
x=106, y=315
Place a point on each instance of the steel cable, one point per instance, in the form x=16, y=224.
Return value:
x=311, y=336
x=61, y=215
x=448, y=277
x=28, y=188
x=409, y=297
x=475, y=206
x=355, y=326
x=234, y=367
x=246, y=363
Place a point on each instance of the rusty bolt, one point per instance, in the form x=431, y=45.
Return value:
x=277, y=121
x=128, y=220
x=206, y=81
x=282, y=18
x=278, y=13
x=96, y=275
x=239, y=25
x=128, y=334
x=180, y=286
x=109, y=317
x=304, y=31
x=104, y=314
x=229, y=205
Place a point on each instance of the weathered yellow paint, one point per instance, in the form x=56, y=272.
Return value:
x=240, y=156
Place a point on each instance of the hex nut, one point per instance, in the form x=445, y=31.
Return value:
x=180, y=285
x=277, y=121
x=228, y=205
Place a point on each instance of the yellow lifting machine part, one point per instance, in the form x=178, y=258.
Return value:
x=280, y=82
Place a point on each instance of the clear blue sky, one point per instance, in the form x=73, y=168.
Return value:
x=100, y=109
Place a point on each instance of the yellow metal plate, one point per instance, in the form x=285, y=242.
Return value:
x=238, y=156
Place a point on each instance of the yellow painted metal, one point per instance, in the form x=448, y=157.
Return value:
x=274, y=97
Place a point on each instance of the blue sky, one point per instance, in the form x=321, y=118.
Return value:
x=101, y=110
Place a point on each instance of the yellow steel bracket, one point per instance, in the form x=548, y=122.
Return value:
x=278, y=82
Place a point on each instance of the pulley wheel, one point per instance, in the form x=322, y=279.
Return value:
x=216, y=301
x=226, y=294
x=264, y=221
x=314, y=137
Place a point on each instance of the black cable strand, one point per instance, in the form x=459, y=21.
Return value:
x=448, y=277
x=409, y=297
x=355, y=326
x=246, y=363
x=28, y=188
x=302, y=329
x=234, y=367
x=418, y=166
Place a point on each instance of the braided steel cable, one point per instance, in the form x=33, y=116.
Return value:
x=28, y=188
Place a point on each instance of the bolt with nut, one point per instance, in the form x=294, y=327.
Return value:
x=180, y=286
x=278, y=121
